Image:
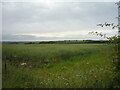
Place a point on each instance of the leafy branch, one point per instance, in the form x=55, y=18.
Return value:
x=108, y=25
x=104, y=35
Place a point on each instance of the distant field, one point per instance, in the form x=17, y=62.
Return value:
x=58, y=65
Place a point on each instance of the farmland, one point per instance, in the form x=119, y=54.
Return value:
x=58, y=66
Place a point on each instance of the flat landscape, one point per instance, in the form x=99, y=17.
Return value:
x=57, y=65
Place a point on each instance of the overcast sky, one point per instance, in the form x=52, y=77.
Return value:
x=56, y=20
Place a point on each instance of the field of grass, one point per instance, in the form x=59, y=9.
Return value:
x=58, y=66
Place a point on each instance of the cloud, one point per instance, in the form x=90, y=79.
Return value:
x=54, y=19
x=79, y=35
x=60, y=1
x=0, y=22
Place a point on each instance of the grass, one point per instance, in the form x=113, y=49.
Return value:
x=58, y=66
x=0, y=66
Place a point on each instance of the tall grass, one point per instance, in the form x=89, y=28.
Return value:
x=58, y=66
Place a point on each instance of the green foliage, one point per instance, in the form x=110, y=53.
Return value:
x=58, y=66
x=115, y=41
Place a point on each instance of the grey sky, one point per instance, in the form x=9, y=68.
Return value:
x=56, y=20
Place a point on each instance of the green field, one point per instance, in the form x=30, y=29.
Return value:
x=58, y=66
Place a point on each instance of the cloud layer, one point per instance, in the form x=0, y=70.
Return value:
x=55, y=20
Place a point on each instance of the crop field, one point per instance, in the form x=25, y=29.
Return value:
x=57, y=66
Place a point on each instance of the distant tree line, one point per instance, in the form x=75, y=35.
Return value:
x=70, y=42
